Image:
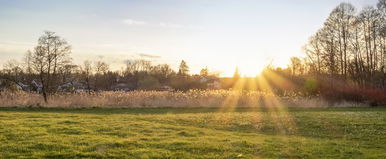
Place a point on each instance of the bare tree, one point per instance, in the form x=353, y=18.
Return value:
x=48, y=57
x=135, y=66
x=351, y=45
x=204, y=72
x=87, y=73
x=12, y=72
x=314, y=53
x=162, y=72
x=101, y=68
x=296, y=66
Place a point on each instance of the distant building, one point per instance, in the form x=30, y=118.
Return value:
x=10, y=85
x=212, y=82
x=166, y=88
x=24, y=87
x=72, y=86
x=36, y=86
x=214, y=85
x=122, y=87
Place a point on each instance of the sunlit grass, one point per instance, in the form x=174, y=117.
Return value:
x=192, y=133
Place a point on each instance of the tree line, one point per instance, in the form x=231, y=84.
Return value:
x=350, y=46
x=49, y=67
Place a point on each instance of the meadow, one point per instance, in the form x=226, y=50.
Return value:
x=192, y=132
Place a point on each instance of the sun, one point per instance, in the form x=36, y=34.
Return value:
x=251, y=72
x=247, y=67
x=244, y=70
x=251, y=69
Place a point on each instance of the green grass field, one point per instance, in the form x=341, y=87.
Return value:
x=192, y=133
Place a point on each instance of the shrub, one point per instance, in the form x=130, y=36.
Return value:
x=148, y=83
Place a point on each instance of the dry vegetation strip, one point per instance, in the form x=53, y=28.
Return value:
x=192, y=133
x=192, y=98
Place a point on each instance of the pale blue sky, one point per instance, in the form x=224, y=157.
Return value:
x=220, y=34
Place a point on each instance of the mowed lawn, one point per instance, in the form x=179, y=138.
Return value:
x=192, y=133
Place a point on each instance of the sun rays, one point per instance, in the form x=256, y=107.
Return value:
x=248, y=92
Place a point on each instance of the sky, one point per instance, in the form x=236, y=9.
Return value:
x=218, y=34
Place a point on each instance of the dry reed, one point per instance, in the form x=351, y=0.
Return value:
x=193, y=98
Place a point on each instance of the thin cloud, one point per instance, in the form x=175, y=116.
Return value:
x=177, y=26
x=148, y=56
x=160, y=24
x=133, y=22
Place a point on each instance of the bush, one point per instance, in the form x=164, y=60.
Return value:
x=335, y=90
x=311, y=87
x=148, y=83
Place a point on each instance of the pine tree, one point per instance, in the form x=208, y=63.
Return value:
x=183, y=69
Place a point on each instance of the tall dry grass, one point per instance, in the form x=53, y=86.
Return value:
x=193, y=98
